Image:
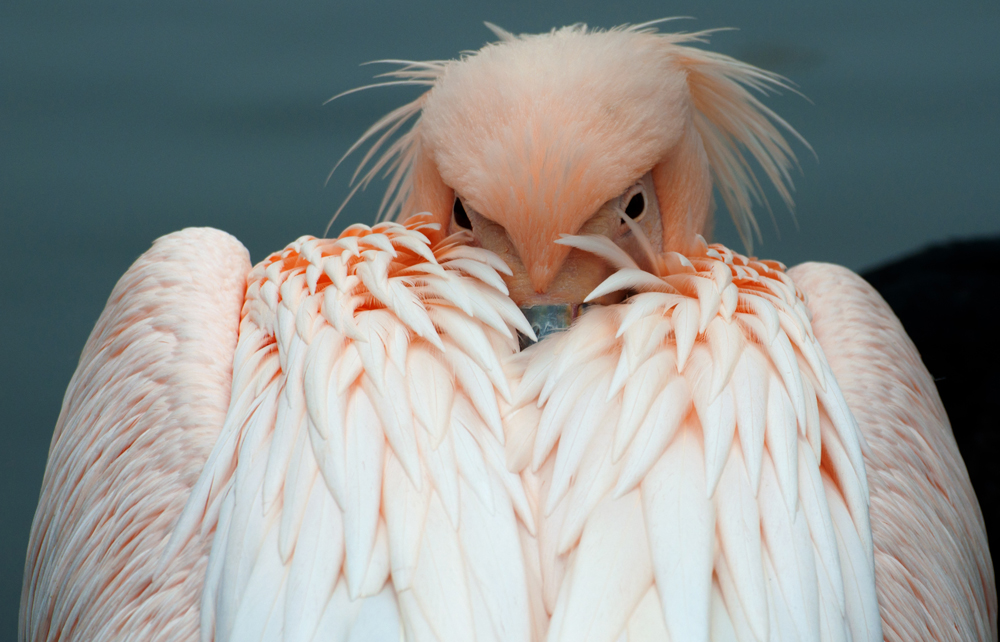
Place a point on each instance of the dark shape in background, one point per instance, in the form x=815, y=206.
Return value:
x=946, y=298
x=123, y=121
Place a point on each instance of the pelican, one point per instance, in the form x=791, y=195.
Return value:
x=532, y=404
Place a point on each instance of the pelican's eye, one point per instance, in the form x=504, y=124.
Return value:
x=636, y=206
x=633, y=202
x=459, y=215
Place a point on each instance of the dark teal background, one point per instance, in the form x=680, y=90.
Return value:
x=120, y=123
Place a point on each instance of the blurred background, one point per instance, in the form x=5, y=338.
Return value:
x=123, y=121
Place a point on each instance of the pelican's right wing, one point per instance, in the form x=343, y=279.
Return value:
x=932, y=560
x=358, y=488
x=138, y=422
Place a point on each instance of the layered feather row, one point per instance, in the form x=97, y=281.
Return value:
x=699, y=474
x=682, y=466
x=359, y=487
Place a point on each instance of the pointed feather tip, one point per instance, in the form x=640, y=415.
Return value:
x=620, y=377
x=499, y=32
x=600, y=246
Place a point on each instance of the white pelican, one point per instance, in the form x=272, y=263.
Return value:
x=346, y=442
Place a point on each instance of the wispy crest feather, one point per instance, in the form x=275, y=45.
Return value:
x=397, y=158
x=729, y=118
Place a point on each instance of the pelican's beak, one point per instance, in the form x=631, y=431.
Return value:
x=558, y=275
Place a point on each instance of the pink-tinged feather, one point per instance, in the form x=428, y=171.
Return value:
x=644, y=304
x=839, y=467
x=859, y=586
x=493, y=455
x=472, y=342
x=601, y=246
x=364, y=455
x=781, y=625
x=740, y=541
x=643, y=338
x=468, y=455
x=721, y=626
x=728, y=302
x=641, y=390
x=790, y=556
x=477, y=387
x=556, y=409
x=736, y=617
x=396, y=418
x=833, y=626
x=654, y=434
x=718, y=423
x=349, y=368
x=847, y=428
x=589, y=414
x=478, y=270
x=611, y=573
x=493, y=557
x=313, y=573
x=685, y=319
x=376, y=327
x=329, y=441
x=439, y=581
x=680, y=522
x=629, y=279
x=377, y=620
x=575, y=349
x=783, y=358
x=213, y=574
x=405, y=510
x=519, y=427
x=726, y=343
x=749, y=385
x=782, y=439
x=597, y=475
x=291, y=417
x=431, y=391
x=811, y=430
x=646, y=623
x=379, y=565
x=301, y=476
x=440, y=464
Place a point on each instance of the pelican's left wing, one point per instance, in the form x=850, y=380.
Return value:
x=358, y=488
x=699, y=474
x=932, y=559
